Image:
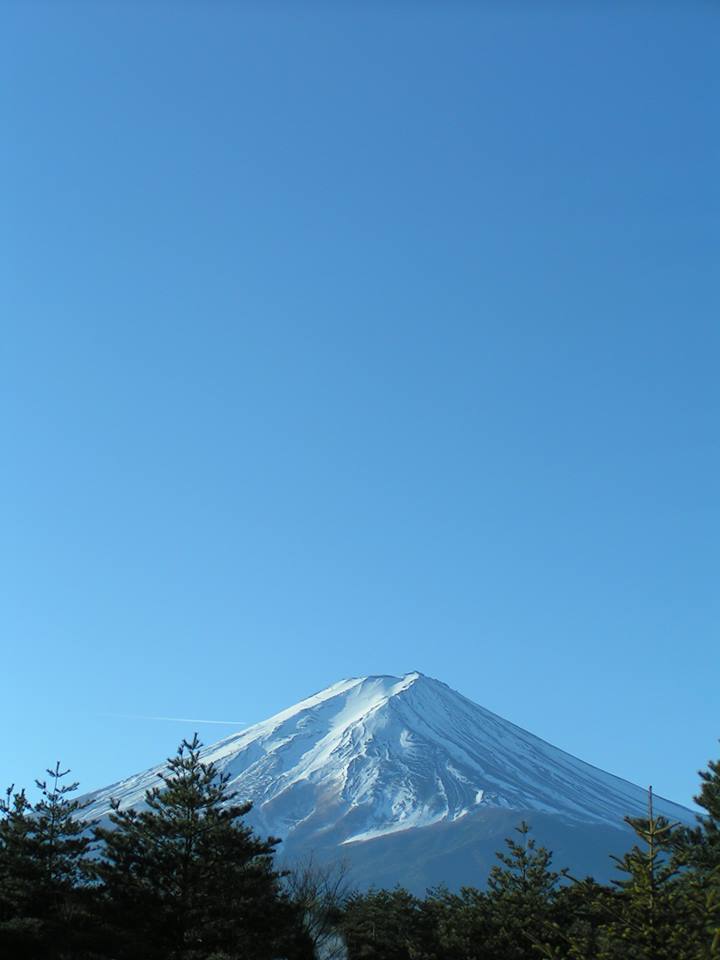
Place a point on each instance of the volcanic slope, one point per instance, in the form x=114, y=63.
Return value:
x=409, y=781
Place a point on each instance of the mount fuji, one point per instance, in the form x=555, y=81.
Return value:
x=409, y=782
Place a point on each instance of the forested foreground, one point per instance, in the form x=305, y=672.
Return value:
x=186, y=879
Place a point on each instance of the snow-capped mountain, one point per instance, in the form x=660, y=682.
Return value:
x=372, y=765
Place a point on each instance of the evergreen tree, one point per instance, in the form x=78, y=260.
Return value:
x=698, y=852
x=645, y=921
x=45, y=907
x=385, y=925
x=61, y=836
x=520, y=897
x=709, y=822
x=577, y=922
x=700, y=847
x=462, y=923
x=184, y=879
x=20, y=930
x=579, y=915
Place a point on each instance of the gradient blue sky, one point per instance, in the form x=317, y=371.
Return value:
x=348, y=338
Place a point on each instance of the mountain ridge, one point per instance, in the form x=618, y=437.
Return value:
x=368, y=758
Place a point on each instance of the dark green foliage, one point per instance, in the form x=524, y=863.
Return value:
x=60, y=835
x=709, y=800
x=656, y=910
x=503, y=923
x=383, y=925
x=20, y=930
x=525, y=877
x=463, y=924
x=520, y=897
x=646, y=912
x=698, y=851
x=184, y=879
x=45, y=909
x=701, y=847
x=577, y=921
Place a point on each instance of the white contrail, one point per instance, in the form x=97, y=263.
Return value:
x=140, y=716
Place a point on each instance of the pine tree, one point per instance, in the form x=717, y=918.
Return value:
x=697, y=852
x=700, y=846
x=576, y=923
x=520, y=896
x=20, y=930
x=62, y=837
x=645, y=921
x=45, y=905
x=385, y=925
x=709, y=800
x=185, y=879
x=462, y=923
x=706, y=857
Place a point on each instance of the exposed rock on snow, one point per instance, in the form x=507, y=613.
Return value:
x=371, y=756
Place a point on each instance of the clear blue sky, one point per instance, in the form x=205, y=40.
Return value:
x=348, y=338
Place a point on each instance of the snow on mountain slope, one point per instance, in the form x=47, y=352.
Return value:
x=371, y=756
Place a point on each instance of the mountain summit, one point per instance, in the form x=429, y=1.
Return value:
x=379, y=768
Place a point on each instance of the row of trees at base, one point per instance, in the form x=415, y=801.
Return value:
x=181, y=879
x=665, y=904
x=184, y=878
